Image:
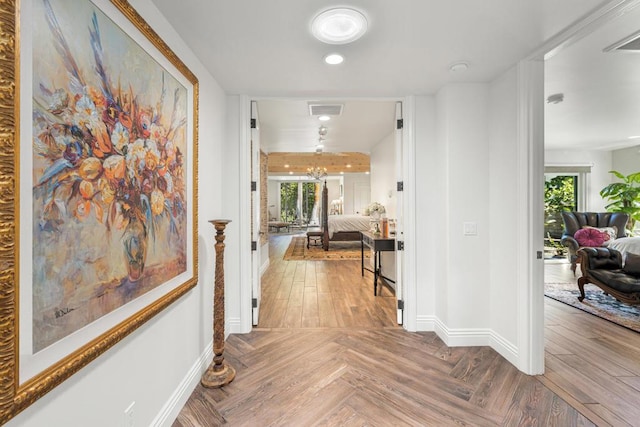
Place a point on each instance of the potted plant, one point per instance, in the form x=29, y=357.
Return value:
x=624, y=196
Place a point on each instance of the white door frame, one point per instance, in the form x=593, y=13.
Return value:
x=254, y=144
x=244, y=177
x=408, y=176
x=530, y=178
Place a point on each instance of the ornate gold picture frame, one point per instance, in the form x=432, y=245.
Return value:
x=98, y=186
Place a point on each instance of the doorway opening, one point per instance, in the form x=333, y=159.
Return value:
x=293, y=199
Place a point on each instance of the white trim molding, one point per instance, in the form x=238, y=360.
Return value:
x=529, y=208
x=244, y=177
x=409, y=275
x=474, y=337
x=426, y=323
x=264, y=266
x=505, y=348
x=170, y=410
x=529, y=205
x=234, y=325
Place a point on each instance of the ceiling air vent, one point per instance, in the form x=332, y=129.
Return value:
x=628, y=44
x=325, y=109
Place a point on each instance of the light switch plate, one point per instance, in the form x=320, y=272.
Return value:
x=470, y=229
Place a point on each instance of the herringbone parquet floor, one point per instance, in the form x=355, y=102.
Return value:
x=348, y=365
x=376, y=377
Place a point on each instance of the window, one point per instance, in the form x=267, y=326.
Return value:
x=560, y=194
x=565, y=189
x=299, y=202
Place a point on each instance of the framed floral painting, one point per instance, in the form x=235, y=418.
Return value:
x=98, y=186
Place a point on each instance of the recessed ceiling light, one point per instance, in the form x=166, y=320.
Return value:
x=334, y=59
x=348, y=166
x=341, y=173
x=286, y=166
x=290, y=172
x=324, y=118
x=367, y=172
x=339, y=25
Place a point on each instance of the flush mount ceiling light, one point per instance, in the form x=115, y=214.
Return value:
x=556, y=98
x=458, y=67
x=334, y=59
x=339, y=26
x=324, y=118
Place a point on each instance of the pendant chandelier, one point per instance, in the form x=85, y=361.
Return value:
x=316, y=173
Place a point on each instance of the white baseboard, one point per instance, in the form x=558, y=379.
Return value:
x=470, y=338
x=505, y=348
x=178, y=399
x=264, y=267
x=426, y=323
x=233, y=326
x=465, y=337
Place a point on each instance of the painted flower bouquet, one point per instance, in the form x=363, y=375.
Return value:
x=107, y=154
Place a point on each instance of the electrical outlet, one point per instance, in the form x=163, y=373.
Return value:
x=129, y=420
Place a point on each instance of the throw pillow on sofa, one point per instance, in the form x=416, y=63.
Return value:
x=590, y=237
x=611, y=233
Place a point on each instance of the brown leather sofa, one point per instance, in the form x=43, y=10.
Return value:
x=604, y=268
x=574, y=221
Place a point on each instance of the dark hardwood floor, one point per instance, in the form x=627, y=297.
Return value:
x=356, y=369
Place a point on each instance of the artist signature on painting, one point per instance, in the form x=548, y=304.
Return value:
x=62, y=312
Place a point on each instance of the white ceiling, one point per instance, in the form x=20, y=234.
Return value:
x=265, y=49
x=601, y=106
x=286, y=125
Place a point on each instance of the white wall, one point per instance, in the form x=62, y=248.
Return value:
x=465, y=172
x=350, y=182
x=601, y=164
x=333, y=190
x=383, y=190
x=273, y=198
x=464, y=137
x=231, y=193
x=626, y=160
x=383, y=174
x=149, y=365
x=431, y=240
x=503, y=132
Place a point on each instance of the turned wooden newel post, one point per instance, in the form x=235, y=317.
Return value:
x=219, y=372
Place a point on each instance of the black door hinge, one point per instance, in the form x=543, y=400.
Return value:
x=400, y=186
x=399, y=124
x=254, y=245
x=400, y=245
x=254, y=302
x=400, y=304
x=253, y=124
x=254, y=186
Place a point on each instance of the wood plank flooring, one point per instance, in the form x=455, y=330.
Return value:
x=310, y=294
x=591, y=363
x=342, y=373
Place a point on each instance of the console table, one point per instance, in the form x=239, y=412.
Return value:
x=378, y=244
